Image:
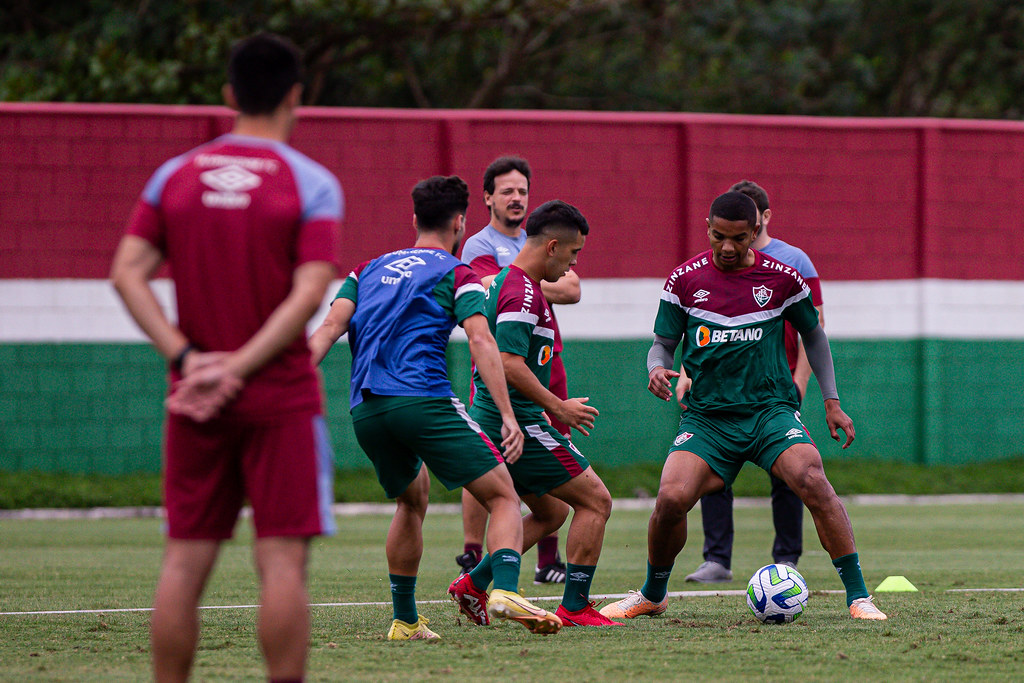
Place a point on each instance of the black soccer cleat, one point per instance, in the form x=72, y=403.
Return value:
x=467, y=562
x=552, y=573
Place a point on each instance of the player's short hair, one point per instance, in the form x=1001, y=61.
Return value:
x=503, y=165
x=438, y=199
x=734, y=206
x=261, y=70
x=556, y=214
x=754, y=191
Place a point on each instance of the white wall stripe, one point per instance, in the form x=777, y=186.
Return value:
x=89, y=311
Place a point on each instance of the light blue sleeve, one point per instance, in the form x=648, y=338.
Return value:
x=319, y=190
x=475, y=247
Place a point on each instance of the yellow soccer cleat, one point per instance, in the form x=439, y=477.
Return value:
x=864, y=608
x=514, y=607
x=634, y=605
x=418, y=631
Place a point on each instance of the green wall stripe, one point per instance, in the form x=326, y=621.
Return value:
x=97, y=407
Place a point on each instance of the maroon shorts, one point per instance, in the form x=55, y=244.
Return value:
x=283, y=468
x=559, y=386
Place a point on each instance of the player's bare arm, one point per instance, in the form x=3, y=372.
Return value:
x=484, y=351
x=331, y=329
x=309, y=285
x=566, y=290
x=573, y=412
x=135, y=264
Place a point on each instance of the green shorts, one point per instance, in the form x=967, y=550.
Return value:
x=400, y=433
x=549, y=459
x=727, y=441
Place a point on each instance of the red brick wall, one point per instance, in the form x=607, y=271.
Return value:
x=866, y=198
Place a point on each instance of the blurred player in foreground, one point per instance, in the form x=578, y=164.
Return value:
x=728, y=306
x=507, y=195
x=551, y=475
x=399, y=310
x=249, y=227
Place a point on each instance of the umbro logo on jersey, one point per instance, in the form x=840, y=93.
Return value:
x=502, y=251
x=682, y=438
x=762, y=295
x=700, y=296
x=403, y=267
x=229, y=187
x=794, y=433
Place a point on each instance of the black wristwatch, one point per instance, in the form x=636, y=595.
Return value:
x=179, y=360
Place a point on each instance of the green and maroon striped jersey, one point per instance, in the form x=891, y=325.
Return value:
x=522, y=324
x=731, y=325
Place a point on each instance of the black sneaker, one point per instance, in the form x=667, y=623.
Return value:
x=467, y=562
x=552, y=573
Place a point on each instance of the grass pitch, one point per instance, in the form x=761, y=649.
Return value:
x=945, y=631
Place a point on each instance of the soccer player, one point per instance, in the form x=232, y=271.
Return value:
x=249, y=227
x=551, y=475
x=728, y=306
x=399, y=310
x=787, y=509
x=507, y=196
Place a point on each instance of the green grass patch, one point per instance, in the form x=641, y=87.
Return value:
x=933, y=634
x=849, y=477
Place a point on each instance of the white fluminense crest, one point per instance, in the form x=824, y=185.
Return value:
x=682, y=438
x=762, y=295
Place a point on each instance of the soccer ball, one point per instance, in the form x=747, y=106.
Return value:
x=776, y=594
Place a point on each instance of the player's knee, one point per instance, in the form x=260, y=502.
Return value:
x=413, y=501
x=813, y=487
x=671, y=507
x=602, y=502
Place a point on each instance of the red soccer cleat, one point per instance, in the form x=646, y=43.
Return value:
x=471, y=600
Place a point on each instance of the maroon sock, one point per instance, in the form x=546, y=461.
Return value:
x=475, y=548
x=547, y=550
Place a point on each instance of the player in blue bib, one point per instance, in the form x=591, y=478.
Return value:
x=399, y=311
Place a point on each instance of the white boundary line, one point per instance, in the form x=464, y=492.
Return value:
x=605, y=596
x=350, y=509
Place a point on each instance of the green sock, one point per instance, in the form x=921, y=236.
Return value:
x=481, y=576
x=656, y=587
x=403, y=598
x=578, y=578
x=848, y=567
x=505, y=565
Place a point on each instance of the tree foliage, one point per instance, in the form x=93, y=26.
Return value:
x=957, y=58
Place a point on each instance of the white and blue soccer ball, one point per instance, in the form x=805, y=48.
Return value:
x=777, y=594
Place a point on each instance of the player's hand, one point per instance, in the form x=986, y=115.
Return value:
x=682, y=386
x=575, y=412
x=196, y=360
x=837, y=419
x=511, y=440
x=204, y=391
x=660, y=383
